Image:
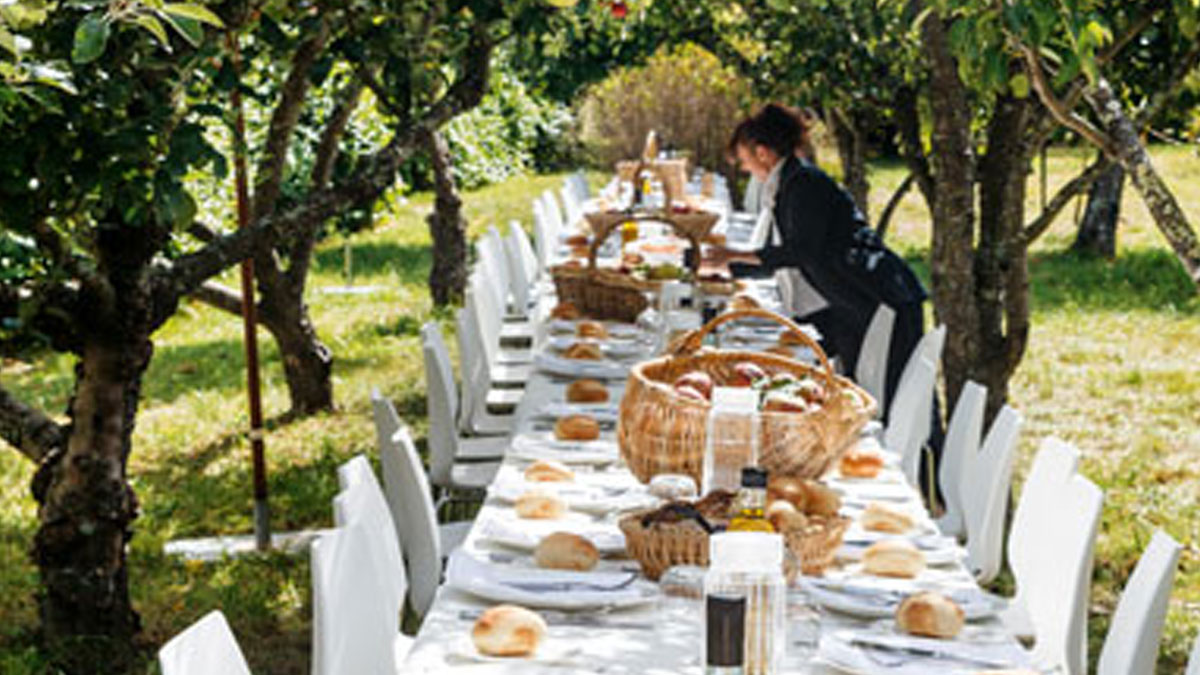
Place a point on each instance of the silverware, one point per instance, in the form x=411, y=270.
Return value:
x=565, y=586
x=590, y=620
x=923, y=653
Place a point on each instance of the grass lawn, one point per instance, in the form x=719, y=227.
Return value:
x=1107, y=368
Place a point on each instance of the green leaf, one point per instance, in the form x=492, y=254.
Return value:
x=193, y=12
x=8, y=42
x=91, y=35
x=1019, y=85
x=53, y=76
x=188, y=29
x=155, y=27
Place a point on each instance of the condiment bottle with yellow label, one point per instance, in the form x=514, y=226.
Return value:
x=749, y=509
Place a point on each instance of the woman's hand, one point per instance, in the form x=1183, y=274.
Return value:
x=719, y=255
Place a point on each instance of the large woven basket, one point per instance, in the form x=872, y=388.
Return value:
x=662, y=545
x=609, y=294
x=660, y=432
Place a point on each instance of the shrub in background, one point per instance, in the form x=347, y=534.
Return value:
x=684, y=94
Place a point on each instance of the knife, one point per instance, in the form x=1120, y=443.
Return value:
x=572, y=619
x=928, y=653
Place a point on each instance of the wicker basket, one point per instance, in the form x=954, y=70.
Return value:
x=659, y=432
x=662, y=545
x=610, y=294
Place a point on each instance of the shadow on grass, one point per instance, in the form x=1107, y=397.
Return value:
x=1144, y=279
x=374, y=258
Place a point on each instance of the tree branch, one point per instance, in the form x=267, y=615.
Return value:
x=1063, y=196
x=219, y=296
x=909, y=122
x=885, y=218
x=1065, y=116
x=28, y=430
x=329, y=146
x=269, y=173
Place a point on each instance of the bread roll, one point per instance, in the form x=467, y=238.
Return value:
x=577, y=428
x=508, y=630
x=537, y=505
x=879, y=518
x=690, y=393
x=566, y=551
x=587, y=391
x=698, y=380
x=820, y=499
x=566, y=311
x=789, y=489
x=930, y=615
x=781, y=350
x=785, y=517
x=861, y=464
x=742, y=301
x=549, y=471
x=792, y=338
x=577, y=240
x=591, y=329
x=584, y=350
x=893, y=558
x=745, y=374
x=781, y=401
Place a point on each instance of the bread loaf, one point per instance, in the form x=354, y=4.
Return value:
x=566, y=311
x=549, y=471
x=879, y=518
x=577, y=428
x=785, y=517
x=587, y=391
x=591, y=329
x=893, y=558
x=861, y=464
x=742, y=301
x=584, y=350
x=792, y=338
x=820, y=499
x=566, y=551
x=508, y=630
x=930, y=615
x=537, y=505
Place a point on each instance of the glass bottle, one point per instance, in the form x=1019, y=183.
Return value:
x=751, y=504
x=724, y=634
x=750, y=564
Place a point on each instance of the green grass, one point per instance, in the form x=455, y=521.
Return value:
x=1110, y=367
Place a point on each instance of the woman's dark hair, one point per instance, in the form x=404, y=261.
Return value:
x=775, y=126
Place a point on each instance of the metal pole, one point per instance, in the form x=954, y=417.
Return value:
x=262, y=513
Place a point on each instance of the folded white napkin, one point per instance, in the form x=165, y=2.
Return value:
x=537, y=445
x=504, y=527
x=902, y=654
x=596, y=499
x=493, y=582
x=552, y=363
x=603, y=412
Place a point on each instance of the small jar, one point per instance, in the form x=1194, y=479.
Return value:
x=750, y=564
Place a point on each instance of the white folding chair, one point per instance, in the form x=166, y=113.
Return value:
x=487, y=406
x=491, y=264
x=520, y=281
x=960, y=451
x=929, y=347
x=553, y=213
x=364, y=503
x=425, y=543
x=1193, y=667
x=207, y=647
x=529, y=257
x=572, y=208
x=578, y=182
x=871, y=371
x=355, y=630
x=1054, y=463
x=1131, y=647
x=544, y=237
x=470, y=421
x=354, y=471
x=481, y=300
x=444, y=471
x=985, y=500
x=908, y=418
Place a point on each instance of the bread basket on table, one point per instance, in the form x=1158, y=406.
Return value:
x=658, y=546
x=661, y=432
x=608, y=293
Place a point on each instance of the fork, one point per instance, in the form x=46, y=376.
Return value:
x=563, y=586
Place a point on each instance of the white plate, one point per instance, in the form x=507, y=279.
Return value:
x=975, y=604
x=557, y=365
x=939, y=557
x=506, y=529
x=550, y=652
x=593, y=499
x=541, y=445
x=480, y=579
x=973, y=642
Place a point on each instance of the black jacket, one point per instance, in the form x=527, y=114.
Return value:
x=825, y=236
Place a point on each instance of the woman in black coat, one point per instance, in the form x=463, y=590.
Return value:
x=817, y=231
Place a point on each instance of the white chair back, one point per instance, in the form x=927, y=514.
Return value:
x=528, y=254
x=579, y=184
x=495, y=244
x=871, y=371
x=206, y=647
x=519, y=279
x=364, y=503
x=481, y=303
x=572, y=208
x=1193, y=667
x=411, y=502
x=546, y=240
x=1054, y=463
x=354, y=626
x=554, y=216
x=354, y=471
x=985, y=501
x=443, y=435
x=476, y=378
x=960, y=451
x=908, y=419
x=1131, y=647
x=1062, y=583
x=929, y=347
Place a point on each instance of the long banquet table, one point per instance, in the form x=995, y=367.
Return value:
x=664, y=635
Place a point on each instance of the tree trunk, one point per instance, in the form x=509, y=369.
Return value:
x=307, y=362
x=852, y=150
x=1001, y=271
x=952, y=164
x=1132, y=156
x=86, y=508
x=447, y=227
x=1097, y=234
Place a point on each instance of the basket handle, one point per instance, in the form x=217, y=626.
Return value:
x=665, y=217
x=691, y=343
